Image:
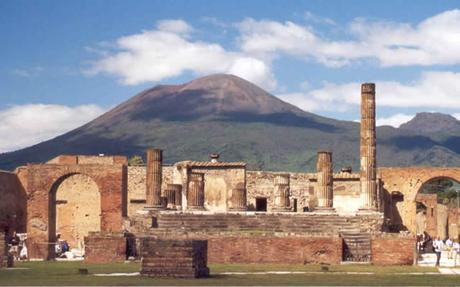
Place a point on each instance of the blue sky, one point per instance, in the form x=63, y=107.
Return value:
x=65, y=62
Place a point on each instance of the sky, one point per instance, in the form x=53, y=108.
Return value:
x=63, y=63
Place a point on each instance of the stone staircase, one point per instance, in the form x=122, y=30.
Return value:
x=172, y=222
x=357, y=246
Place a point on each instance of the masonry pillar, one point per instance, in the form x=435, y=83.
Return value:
x=195, y=194
x=170, y=196
x=238, y=199
x=325, y=182
x=368, y=151
x=154, y=178
x=282, y=193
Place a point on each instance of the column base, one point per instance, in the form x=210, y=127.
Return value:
x=238, y=209
x=196, y=208
x=367, y=211
x=324, y=210
x=282, y=209
x=155, y=207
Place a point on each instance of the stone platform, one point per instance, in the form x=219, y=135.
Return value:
x=174, y=258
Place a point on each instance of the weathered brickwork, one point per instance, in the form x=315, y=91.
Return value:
x=105, y=248
x=174, y=258
x=407, y=182
x=43, y=180
x=12, y=203
x=275, y=250
x=390, y=249
x=2, y=250
x=78, y=209
x=270, y=249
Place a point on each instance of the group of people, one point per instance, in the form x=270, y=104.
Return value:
x=438, y=246
x=17, y=249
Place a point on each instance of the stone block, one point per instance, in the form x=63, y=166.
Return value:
x=105, y=248
x=174, y=258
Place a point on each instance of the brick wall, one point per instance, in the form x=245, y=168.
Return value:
x=105, y=248
x=391, y=249
x=2, y=250
x=282, y=250
x=12, y=203
x=271, y=249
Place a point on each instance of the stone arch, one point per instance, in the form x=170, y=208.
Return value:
x=408, y=181
x=436, y=217
x=74, y=209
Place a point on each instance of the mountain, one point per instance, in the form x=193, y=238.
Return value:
x=242, y=122
x=426, y=123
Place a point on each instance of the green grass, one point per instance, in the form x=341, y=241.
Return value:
x=60, y=273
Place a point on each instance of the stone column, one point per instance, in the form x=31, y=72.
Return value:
x=154, y=178
x=324, y=191
x=238, y=199
x=368, y=149
x=170, y=192
x=281, y=193
x=195, y=194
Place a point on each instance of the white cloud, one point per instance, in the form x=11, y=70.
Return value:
x=435, y=40
x=28, y=72
x=433, y=90
x=167, y=51
x=174, y=26
x=30, y=124
x=394, y=120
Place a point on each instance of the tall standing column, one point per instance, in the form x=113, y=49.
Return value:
x=238, y=199
x=195, y=194
x=325, y=182
x=281, y=193
x=368, y=151
x=154, y=178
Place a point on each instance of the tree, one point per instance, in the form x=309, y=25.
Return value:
x=135, y=160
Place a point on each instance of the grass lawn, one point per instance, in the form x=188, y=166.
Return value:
x=66, y=273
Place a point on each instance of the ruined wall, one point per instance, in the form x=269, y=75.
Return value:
x=274, y=250
x=392, y=249
x=2, y=249
x=407, y=182
x=78, y=209
x=137, y=186
x=41, y=180
x=13, y=200
x=105, y=248
x=346, y=188
x=218, y=186
x=453, y=220
x=89, y=159
x=270, y=249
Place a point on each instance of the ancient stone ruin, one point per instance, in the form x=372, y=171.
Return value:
x=245, y=216
x=174, y=258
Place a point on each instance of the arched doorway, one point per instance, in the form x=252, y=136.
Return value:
x=437, y=204
x=75, y=210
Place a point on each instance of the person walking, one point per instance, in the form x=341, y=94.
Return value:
x=438, y=246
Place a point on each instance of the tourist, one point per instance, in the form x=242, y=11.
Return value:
x=449, y=246
x=13, y=243
x=456, y=251
x=438, y=246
